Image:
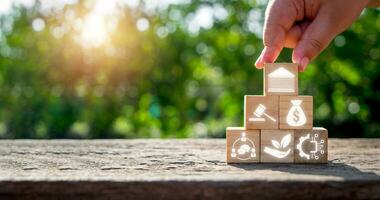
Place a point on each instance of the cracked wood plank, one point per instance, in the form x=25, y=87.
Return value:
x=179, y=169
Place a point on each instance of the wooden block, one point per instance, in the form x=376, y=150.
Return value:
x=261, y=112
x=310, y=146
x=280, y=79
x=243, y=146
x=277, y=146
x=296, y=112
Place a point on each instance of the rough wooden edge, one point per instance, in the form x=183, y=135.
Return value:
x=189, y=190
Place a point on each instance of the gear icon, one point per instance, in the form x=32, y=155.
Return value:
x=302, y=139
x=315, y=147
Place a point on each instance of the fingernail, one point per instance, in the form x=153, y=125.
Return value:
x=303, y=64
x=296, y=59
x=258, y=62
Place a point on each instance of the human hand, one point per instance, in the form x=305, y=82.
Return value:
x=308, y=26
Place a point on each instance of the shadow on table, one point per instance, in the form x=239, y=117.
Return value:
x=347, y=172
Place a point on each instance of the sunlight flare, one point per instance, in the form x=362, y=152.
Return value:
x=94, y=32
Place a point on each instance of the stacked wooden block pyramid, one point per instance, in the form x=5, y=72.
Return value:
x=278, y=126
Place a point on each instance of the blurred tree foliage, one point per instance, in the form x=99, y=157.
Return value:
x=166, y=69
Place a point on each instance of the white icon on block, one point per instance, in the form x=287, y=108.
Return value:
x=243, y=148
x=296, y=116
x=318, y=147
x=259, y=114
x=281, y=80
x=277, y=150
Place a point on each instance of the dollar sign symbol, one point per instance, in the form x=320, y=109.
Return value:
x=296, y=116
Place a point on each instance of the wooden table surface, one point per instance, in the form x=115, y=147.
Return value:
x=179, y=169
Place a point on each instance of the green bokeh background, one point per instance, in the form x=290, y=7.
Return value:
x=174, y=79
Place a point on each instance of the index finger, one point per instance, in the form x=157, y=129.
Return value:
x=280, y=16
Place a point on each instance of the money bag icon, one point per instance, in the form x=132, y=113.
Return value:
x=296, y=116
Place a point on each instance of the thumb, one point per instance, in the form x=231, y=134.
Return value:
x=315, y=39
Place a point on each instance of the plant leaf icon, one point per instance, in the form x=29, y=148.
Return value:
x=275, y=144
x=286, y=140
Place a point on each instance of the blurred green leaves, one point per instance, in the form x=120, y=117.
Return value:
x=177, y=69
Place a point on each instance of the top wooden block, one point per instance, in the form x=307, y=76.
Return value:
x=281, y=79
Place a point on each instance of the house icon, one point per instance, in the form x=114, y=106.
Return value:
x=281, y=80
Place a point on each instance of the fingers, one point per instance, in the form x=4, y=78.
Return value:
x=316, y=38
x=268, y=55
x=292, y=37
x=294, y=34
x=280, y=17
x=331, y=19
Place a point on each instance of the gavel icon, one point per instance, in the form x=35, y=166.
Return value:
x=259, y=112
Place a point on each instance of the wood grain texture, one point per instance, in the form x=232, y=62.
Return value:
x=271, y=67
x=307, y=145
x=179, y=169
x=235, y=141
x=285, y=106
x=267, y=136
x=251, y=104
